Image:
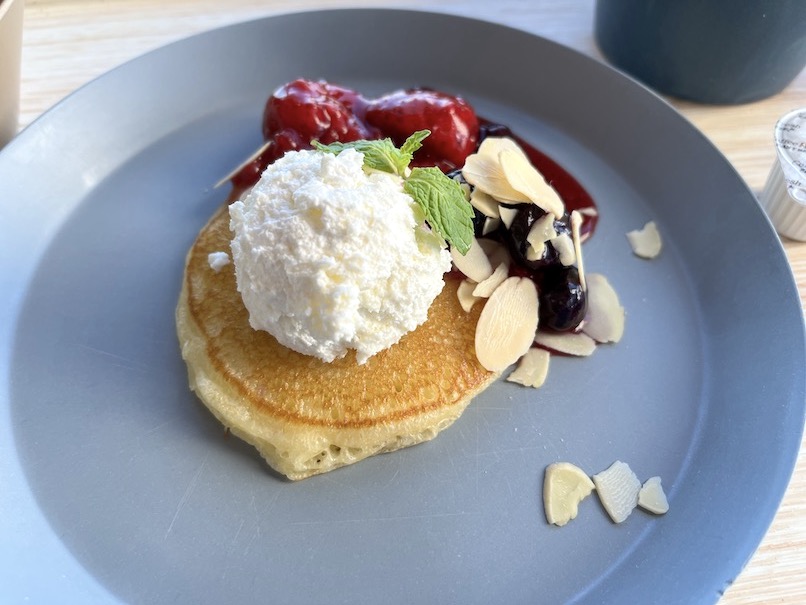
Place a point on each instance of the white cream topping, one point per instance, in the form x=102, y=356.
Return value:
x=329, y=258
x=218, y=260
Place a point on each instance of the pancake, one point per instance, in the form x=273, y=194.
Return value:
x=306, y=416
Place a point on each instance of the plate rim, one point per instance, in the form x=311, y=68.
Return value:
x=31, y=132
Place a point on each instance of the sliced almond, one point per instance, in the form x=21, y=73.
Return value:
x=646, y=242
x=533, y=368
x=487, y=287
x=464, y=186
x=507, y=324
x=542, y=231
x=484, y=203
x=490, y=225
x=534, y=254
x=578, y=344
x=588, y=211
x=618, y=489
x=240, y=167
x=576, y=225
x=508, y=214
x=465, y=294
x=565, y=249
x=604, y=318
x=496, y=252
x=564, y=487
x=492, y=146
x=652, y=497
x=474, y=264
x=485, y=173
x=524, y=178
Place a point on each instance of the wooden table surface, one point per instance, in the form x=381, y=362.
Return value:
x=69, y=42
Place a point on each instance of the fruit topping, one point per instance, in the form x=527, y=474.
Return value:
x=563, y=301
x=303, y=110
x=513, y=218
x=452, y=121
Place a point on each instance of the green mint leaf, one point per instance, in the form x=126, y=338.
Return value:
x=413, y=143
x=444, y=204
x=380, y=154
x=440, y=198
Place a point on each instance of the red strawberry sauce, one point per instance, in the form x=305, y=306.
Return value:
x=305, y=110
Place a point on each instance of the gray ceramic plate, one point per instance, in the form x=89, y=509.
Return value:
x=118, y=486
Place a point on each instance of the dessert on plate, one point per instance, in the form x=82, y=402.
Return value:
x=329, y=311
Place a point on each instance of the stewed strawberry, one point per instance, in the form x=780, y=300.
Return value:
x=315, y=110
x=453, y=124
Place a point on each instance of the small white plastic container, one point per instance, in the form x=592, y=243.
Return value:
x=784, y=194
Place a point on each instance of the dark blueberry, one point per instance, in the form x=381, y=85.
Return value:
x=563, y=225
x=562, y=300
x=478, y=223
x=491, y=129
x=456, y=175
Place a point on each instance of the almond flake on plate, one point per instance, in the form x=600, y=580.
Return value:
x=646, y=242
x=507, y=324
x=618, y=489
x=532, y=368
x=564, y=487
x=652, y=497
x=570, y=343
x=604, y=319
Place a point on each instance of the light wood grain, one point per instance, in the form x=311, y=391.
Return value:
x=69, y=42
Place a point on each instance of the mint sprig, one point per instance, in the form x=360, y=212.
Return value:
x=381, y=154
x=444, y=205
x=441, y=199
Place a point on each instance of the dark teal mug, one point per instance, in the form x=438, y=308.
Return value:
x=709, y=51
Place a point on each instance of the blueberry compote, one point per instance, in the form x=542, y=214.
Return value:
x=305, y=110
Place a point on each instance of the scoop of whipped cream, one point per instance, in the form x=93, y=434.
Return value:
x=329, y=257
